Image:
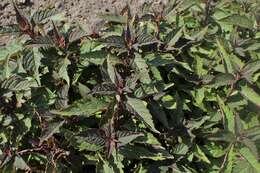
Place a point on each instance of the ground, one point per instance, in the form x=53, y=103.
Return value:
x=83, y=11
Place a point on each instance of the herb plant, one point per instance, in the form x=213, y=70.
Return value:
x=172, y=88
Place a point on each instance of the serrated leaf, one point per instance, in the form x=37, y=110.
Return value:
x=176, y=37
x=142, y=112
x=42, y=42
x=250, y=68
x=145, y=39
x=111, y=62
x=95, y=57
x=229, y=115
x=213, y=150
x=230, y=160
x=9, y=29
x=113, y=41
x=62, y=70
x=247, y=154
x=181, y=149
x=142, y=69
x=239, y=20
x=243, y=166
x=76, y=34
x=249, y=93
x=225, y=56
x=154, y=153
x=32, y=61
x=42, y=15
x=62, y=97
x=222, y=79
x=252, y=133
x=104, y=89
x=238, y=125
x=90, y=140
x=251, y=145
x=125, y=137
x=200, y=35
x=50, y=129
x=16, y=83
x=84, y=107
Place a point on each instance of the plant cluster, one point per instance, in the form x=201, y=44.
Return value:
x=172, y=88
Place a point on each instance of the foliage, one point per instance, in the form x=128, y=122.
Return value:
x=173, y=88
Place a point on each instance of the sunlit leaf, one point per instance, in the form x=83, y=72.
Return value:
x=84, y=107
x=142, y=112
x=247, y=154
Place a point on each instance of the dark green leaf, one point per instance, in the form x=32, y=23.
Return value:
x=50, y=129
x=84, y=107
x=142, y=112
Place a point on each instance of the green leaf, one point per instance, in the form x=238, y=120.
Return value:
x=32, y=62
x=229, y=115
x=176, y=37
x=158, y=112
x=84, y=107
x=62, y=70
x=19, y=163
x=111, y=62
x=16, y=83
x=243, y=166
x=213, y=150
x=222, y=79
x=154, y=153
x=40, y=42
x=95, y=57
x=239, y=20
x=142, y=112
x=238, y=125
x=104, y=167
x=201, y=155
x=181, y=149
x=9, y=29
x=90, y=140
x=50, y=129
x=251, y=145
x=249, y=93
x=225, y=56
x=230, y=160
x=144, y=38
x=250, y=68
x=200, y=35
x=222, y=136
x=142, y=69
x=252, y=133
x=104, y=89
x=248, y=155
x=76, y=34
x=113, y=41
x=125, y=137
x=41, y=16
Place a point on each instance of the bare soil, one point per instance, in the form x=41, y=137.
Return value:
x=83, y=11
